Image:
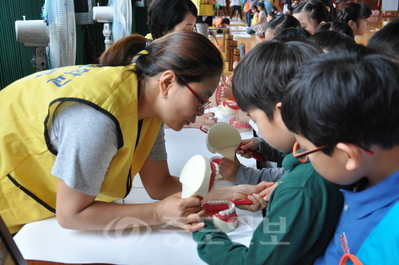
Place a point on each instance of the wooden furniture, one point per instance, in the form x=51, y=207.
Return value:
x=234, y=33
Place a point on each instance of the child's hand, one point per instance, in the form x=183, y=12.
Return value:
x=268, y=189
x=248, y=144
x=229, y=169
x=184, y=213
x=245, y=189
x=258, y=203
x=260, y=199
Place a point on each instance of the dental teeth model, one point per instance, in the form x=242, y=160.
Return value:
x=228, y=107
x=216, y=161
x=219, y=94
x=223, y=215
x=240, y=126
x=198, y=176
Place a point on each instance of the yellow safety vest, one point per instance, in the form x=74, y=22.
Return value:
x=203, y=8
x=27, y=188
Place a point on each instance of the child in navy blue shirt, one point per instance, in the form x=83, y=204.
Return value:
x=344, y=110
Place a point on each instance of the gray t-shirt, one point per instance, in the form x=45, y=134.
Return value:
x=253, y=176
x=86, y=142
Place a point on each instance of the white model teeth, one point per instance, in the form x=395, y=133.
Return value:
x=228, y=211
x=216, y=168
x=225, y=220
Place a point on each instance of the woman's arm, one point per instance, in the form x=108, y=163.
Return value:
x=157, y=180
x=77, y=210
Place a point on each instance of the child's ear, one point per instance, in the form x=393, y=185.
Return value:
x=353, y=154
x=352, y=24
x=278, y=106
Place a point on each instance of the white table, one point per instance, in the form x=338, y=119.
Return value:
x=46, y=240
x=161, y=244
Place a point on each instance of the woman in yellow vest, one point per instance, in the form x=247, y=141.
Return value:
x=73, y=138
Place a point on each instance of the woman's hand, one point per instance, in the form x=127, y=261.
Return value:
x=237, y=192
x=207, y=119
x=185, y=213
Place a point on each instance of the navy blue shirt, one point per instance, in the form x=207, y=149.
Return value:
x=362, y=212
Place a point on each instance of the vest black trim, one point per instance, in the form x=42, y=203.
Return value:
x=30, y=194
x=129, y=180
x=91, y=104
x=46, y=135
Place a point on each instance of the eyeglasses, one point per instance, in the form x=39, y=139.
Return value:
x=303, y=155
x=204, y=103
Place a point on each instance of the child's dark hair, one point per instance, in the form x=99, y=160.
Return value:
x=261, y=77
x=330, y=9
x=262, y=5
x=282, y=22
x=329, y=40
x=293, y=33
x=354, y=12
x=337, y=26
x=316, y=9
x=226, y=21
x=349, y=95
x=386, y=40
x=254, y=7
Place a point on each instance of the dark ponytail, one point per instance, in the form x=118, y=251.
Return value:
x=189, y=54
x=354, y=12
x=121, y=53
